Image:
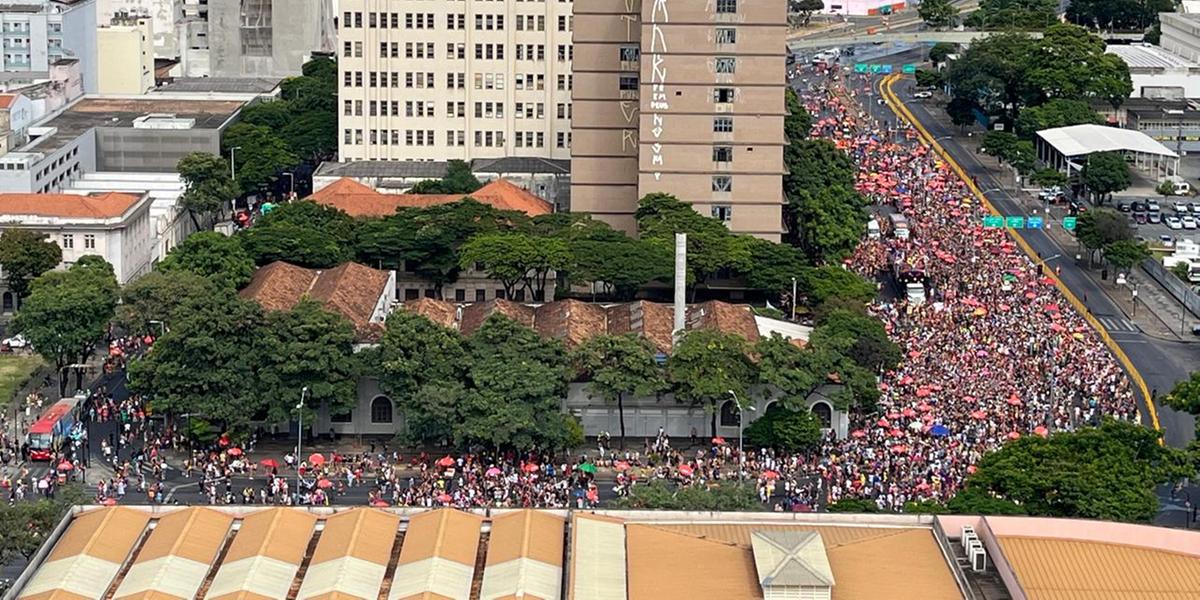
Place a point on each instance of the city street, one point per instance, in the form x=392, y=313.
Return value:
x=1161, y=363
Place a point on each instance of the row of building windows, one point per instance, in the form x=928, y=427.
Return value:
x=483, y=81
x=426, y=137
x=426, y=108
x=354, y=20
x=488, y=51
x=68, y=241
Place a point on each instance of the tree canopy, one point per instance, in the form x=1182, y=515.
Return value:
x=785, y=429
x=1105, y=173
x=938, y=14
x=260, y=155
x=1107, y=472
x=25, y=255
x=207, y=184
x=1100, y=227
x=707, y=365
x=516, y=258
x=215, y=256
x=458, y=180
x=619, y=366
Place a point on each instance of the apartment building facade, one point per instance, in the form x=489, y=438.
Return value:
x=127, y=45
x=684, y=97
x=38, y=33
x=434, y=80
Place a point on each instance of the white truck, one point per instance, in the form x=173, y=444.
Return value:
x=899, y=226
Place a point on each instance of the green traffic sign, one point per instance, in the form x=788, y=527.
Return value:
x=875, y=68
x=909, y=68
x=1015, y=222
x=1069, y=223
x=993, y=222
x=860, y=67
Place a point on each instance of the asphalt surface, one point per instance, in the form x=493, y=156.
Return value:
x=1160, y=363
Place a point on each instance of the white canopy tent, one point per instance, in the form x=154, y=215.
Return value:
x=1067, y=148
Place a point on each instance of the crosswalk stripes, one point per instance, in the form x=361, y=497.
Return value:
x=1117, y=324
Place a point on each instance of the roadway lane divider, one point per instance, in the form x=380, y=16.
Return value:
x=902, y=111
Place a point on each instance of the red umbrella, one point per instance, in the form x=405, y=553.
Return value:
x=923, y=407
x=1041, y=431
x=324, y=484
x=979, y=415
x=972, y=468
x=445, y=461
x=899, y=449
x=622, y=465
x=858, y=433
x=718, y=441
x=1013, y=400
x=882, y=422
x=110, y=501
x=771, y=475
x=316, y=459
x=445, y=498
x=1030, y=295
x=685, y=470
x=235, y=451
x=923, y=392
x=909, y=412
x=1012, y=435
x=379, y=503
x=224, y=440
x=896, y=433
x=65, y=465
x=530, y=468
x=269, y=463
x=1051, y=308
x=892, y=416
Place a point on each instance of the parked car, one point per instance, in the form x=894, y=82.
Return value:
x=1152, y=206
x=1154, y=217
x=1166, y=240
x=1181, y=207
x=923, y=94
x=1138, y=206
x=1123, y=206
x=1173, y=222
x=16, y=341
x=1139, y=217
x=1194, y=207
x=1189, y=222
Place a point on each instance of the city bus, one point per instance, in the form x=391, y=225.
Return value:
x=50, y=432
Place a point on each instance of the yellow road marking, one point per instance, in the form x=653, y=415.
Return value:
x=900, y=109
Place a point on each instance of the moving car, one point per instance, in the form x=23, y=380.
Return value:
x=1189, y=222
x=923, y=94
x=1173, y=222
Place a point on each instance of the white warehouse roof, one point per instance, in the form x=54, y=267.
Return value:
x=1080, y=140
x=1149, y=58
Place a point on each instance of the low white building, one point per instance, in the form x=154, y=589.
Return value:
x=111, y=225
x=1159, y=74
x=172, y=223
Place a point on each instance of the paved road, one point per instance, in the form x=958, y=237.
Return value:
x=1160, y=363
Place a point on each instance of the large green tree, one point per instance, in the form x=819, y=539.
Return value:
x=821, y=284
x=772, y=266
x=710, y=245
x=1058, y=112
x=658, y=495
x=1133, y=15
x=260, y=155
x=67, y=312
x=422, y=366
x=306, y=347
x=208, y=363
x=26, y=254
x=784, y=429
x=1107, y=472
x=458, y=180
x=1186, y=396
x=1100, y=227
x=1024, y=15
x=514, y=258
x=619, y=366
x=294, y=243
x=1105, y=173
x=707, y=365
x=208, y=185
x=213, y=255
x=1123, y=254
x=159, y=296
x=938, y=14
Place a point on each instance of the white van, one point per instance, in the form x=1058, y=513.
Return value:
x=1182, y=187
x=873, y=231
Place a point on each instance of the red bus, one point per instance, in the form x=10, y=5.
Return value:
x=49, y=433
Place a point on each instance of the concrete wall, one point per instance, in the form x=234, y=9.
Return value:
x=128, y=51
x=151, y=150
x=299, y=27
x=163, y=14
x=79, y=40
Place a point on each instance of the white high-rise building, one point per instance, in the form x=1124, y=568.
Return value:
x=39, y=33
x=454, y=79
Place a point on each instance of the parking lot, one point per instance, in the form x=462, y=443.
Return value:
x=1175, y=218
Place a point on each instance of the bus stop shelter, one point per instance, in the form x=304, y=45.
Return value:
x=1067, y=148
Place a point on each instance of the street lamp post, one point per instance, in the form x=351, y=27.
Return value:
x=1135, y=297
x=741, y=424
x=793, y=298
x=299, y=436
x=232, y=163
x=291, y=185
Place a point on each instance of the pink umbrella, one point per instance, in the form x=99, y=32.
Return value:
x=622, y=465
x=492, y=472
x=899, y=449
x=923, y=392
x=968, y=398
x=1055, y=327
x=923, y=407
x=235, y=451
x=445, y=461
x=316, y=459
x=858, y=433
x=1012, y=435
x=324, y=484
x=770, y=474
x=1041, y=430
x=972, y=468
x=1013, y=400
x=1051, y=308
x=914, y=354
x=530, y=468
x=685, y=470
x=893, y=415
x=882, y=422
x=979, y=415
x=377, y=503
x=936, y=387
x=1030, y=295
x=909, y=412
x=110, y=501
x=445, y=498
x=981, y=353
x=896, y=433
x=906, y=380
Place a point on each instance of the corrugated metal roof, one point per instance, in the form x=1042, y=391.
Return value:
x=525, y=555
x=352, y=556
x=598, y=569
x=1060, y=569
x=175, y=558
x=438, y=556
x=264, y=556
x=1079, y=140
x=665, y=565
x=866, y=561
x=88, y=556
x=1149, y=57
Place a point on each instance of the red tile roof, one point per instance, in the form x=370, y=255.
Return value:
x=574, y=322
x=95, y=206
x=359, y=200
x=6, y=100
x=350, y=289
